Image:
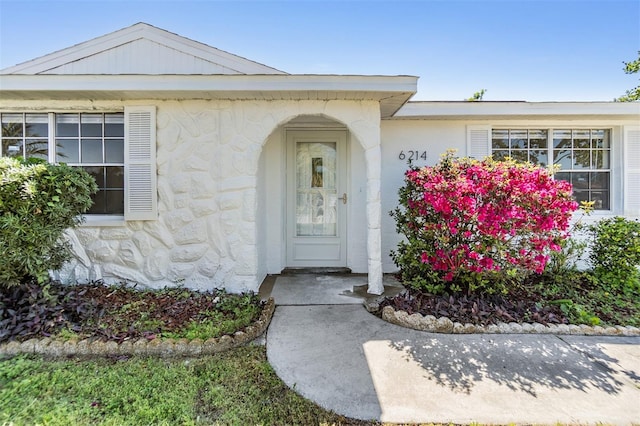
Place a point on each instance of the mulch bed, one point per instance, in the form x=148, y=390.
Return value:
x=476, y=309
x=114, y=313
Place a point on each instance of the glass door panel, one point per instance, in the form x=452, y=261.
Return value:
x=316, y=190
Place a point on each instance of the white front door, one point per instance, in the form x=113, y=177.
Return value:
x=316, y=198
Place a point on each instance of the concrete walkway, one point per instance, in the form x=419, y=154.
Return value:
x=359, y=366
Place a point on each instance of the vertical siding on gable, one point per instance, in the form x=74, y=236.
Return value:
x=141, y=57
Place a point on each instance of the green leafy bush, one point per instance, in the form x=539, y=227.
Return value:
x=38, y=202
x=615, y=254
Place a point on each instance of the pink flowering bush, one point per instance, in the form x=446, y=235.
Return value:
x=478, y=225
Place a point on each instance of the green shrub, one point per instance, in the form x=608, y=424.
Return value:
x=615, y=254
x=38, y=202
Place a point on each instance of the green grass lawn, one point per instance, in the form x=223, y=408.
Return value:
x=237, y=387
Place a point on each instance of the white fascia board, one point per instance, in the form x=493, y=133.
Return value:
x=12, y=84
x=481, y=109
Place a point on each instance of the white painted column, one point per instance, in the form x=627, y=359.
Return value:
x=373, y=160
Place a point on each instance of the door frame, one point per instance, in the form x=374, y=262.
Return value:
x=341, y=137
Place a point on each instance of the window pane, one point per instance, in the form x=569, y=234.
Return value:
x=600, y=139
x=563, y=176
x=581, y=195
x=499, y=155
x=12, y=125
x=500, y=139
x=37, y=125
x=115, y=202
x=582, y=159
x=12, y=148
x=580, y=180
x=97, y=173
x=538, y=142
x=539, y=157
x=520, y=155
x=114, y=150
x=518, y=139
x=67, y=125
x=601, y=200
x=37, y=148
x=600, y=159
x=99, y=203
x=562, y=139
x=600, y=180
x=91, y=125
x=581, y=139
x=91, y=151
x=115, y=177
x=67, y=151
x=114, y=125
x=563, y=158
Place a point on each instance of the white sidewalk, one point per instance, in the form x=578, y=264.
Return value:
x=353, y=363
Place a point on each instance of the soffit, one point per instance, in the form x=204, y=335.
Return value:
x=391, y=91
x=483, y=110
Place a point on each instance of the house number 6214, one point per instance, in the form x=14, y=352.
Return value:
x=412, y=155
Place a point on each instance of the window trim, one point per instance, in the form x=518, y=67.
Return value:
x=550, y=137
x=80, y=138
x=149, y=192
x=614, y=161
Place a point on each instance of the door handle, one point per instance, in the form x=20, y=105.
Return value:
x=343, y=198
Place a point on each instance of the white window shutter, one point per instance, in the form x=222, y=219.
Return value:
x=140, y=181
x=478, y=141
x=632, y=171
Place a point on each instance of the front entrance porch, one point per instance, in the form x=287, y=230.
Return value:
x=318, y=200
x=323, y=289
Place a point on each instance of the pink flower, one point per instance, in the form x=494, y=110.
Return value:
x=481, y=216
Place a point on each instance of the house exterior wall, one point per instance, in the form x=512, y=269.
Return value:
x=213, y=187
x=435, y=137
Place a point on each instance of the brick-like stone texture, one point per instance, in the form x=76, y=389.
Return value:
x=208, y=156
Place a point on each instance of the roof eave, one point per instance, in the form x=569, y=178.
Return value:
x=515, y=110
x=392, y=91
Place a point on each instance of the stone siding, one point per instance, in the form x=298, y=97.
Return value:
x=207, y=166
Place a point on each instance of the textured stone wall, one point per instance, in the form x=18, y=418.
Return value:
x=207, y=164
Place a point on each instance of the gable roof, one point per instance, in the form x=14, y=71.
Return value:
x=141, y=49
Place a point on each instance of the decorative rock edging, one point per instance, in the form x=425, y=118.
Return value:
x=168, y=348
x=445, y=325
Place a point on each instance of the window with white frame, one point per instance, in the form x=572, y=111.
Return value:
x=25, y=135
x=93, y=141
x=583, y=156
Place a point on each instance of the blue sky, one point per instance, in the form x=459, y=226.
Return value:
x=536, y=50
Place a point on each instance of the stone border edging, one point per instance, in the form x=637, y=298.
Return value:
x=168, y=348
x=445, y=325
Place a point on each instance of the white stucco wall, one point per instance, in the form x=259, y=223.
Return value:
x=410, y=135
x=214, y=226
x=221, y=189
x=437, y=136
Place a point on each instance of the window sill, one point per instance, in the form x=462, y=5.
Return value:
x=95, y=220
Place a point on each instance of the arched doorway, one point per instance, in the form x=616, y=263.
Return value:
x=360, y=122
x=312, y=209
